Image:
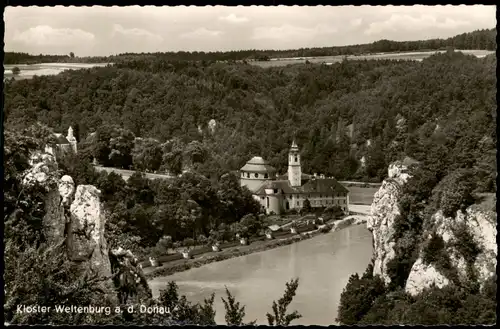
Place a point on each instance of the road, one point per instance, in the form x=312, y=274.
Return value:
x=127, y=173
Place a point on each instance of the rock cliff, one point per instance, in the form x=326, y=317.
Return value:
x=384, y=211
x=75, y=217
x=478, y=224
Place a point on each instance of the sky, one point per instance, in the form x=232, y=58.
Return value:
x=101, y=31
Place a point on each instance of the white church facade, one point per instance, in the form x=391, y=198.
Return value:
x=62, y=144
x=278, y=194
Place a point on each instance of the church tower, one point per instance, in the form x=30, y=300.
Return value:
x=71, y=139
x=294, y=169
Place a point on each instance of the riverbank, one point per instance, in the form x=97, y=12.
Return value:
x=187, y=264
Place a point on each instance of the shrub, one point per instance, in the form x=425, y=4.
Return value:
x=165, y=242
x=201, y=240
x=306, y=208
x=188, y=242
x=334, y=211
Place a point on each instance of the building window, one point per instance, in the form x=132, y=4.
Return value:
x=262, y=198
x=256, y=175
x=298, y=203
x=290, y=197
x=248, y=175
x=266, y=176
x=242, y=174
x=275, y=191
x=296, y=159
x=267, y=202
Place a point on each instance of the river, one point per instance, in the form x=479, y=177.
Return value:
x=323, y=265
x=28, y=71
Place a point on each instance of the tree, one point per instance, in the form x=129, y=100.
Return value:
x=72, y=55
x=251, y=224
x=173, y=156
x=16, y=70
x=280, y=316
x=234, y=313
x=358, y=296
x=454, y=192
x=147, y=154
x=306, y=207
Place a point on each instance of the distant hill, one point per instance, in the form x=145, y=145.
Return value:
x=477, y=40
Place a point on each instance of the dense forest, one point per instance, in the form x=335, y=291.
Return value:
x=214, y=117
x=480, y=39
x=40, y=273
x=210, y=118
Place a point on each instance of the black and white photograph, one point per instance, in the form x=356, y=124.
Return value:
x=250, y=165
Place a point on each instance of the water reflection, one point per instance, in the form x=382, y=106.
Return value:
x=322, y=264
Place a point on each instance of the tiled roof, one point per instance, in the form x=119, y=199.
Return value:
x=258, y=165
x=282, y=185
x=60, y=139
x=323, y=185
x=304, y=177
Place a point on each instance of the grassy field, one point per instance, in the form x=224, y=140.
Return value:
x=414, y=55
x=362, y=195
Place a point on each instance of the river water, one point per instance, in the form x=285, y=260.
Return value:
x=323, y=265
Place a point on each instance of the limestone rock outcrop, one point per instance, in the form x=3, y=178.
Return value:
x=75, y=217
x=42, y=171
x=384, y=210
x=86, y=234
x=481, y=226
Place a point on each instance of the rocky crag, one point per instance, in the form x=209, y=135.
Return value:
x=384, y=211
x=75, y=218
x=477, y=224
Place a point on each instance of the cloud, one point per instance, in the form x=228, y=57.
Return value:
x=232, y=18
x=44, y=35
x=356, y=22
x=201, y=33
x=399, y=22
x=138, y=33
x=290, y=31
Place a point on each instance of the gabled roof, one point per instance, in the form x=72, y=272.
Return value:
x=60, y=139
x=303, y=177
x=323, y=185
x=258, y=165
x=282, y=185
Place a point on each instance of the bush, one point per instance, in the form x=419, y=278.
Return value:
x=202, y=240
x=188, y=242
x=306, y=208
x=334, y=211
x=163, y=245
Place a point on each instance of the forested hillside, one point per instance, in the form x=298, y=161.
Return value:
x=441, y=110
x=480, y=39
